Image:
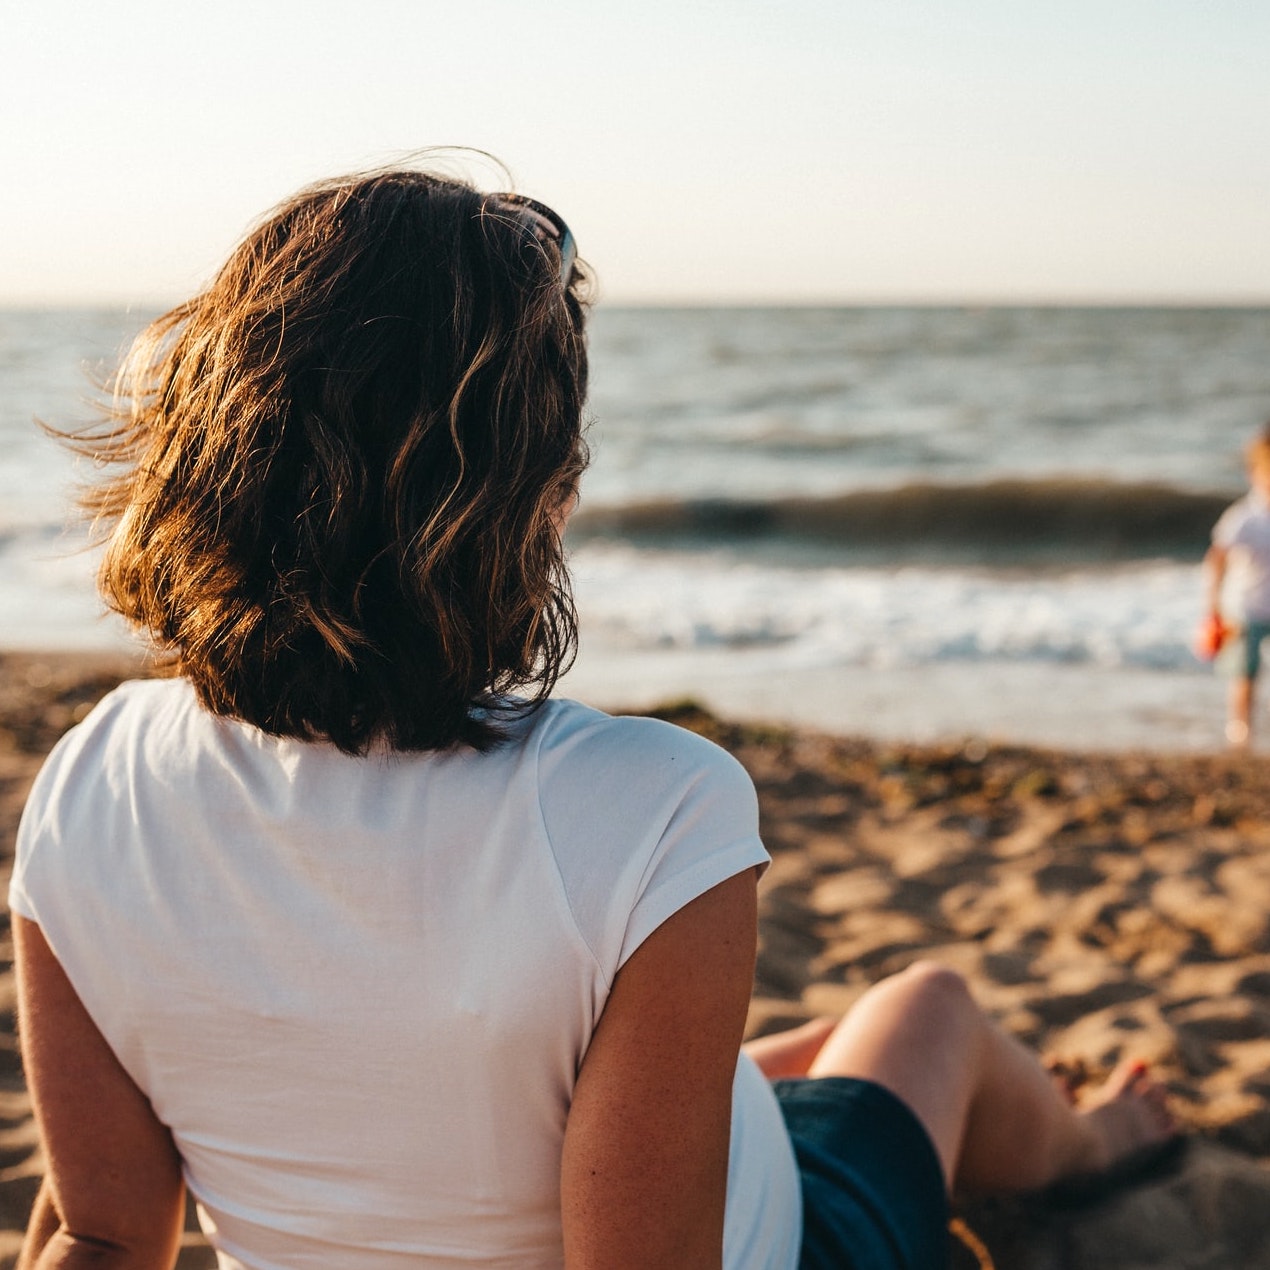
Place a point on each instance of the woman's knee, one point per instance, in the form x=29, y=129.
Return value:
x=932, y=988
x=922, y=1014
x=930, y=1005
x=920, y=1034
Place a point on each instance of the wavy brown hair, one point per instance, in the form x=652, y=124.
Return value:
x=344, y=469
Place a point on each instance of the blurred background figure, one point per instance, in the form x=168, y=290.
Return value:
x=1237, y=569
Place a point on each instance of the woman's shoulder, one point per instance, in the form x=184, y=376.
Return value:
x=638, y=780
x=92, y=760
x=132, y=705
x=626, y=743
x=564, y=718
x=133, y=718
x=140, y=696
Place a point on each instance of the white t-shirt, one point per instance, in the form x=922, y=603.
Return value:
x=358, y=990
x=1244, y=530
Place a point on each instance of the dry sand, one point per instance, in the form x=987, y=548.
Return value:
x=1102, y=906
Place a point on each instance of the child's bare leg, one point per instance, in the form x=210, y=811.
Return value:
x=1239, y=711
x=996, y=1117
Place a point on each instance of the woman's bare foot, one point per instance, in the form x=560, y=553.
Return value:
x=1129, y=1116
x=1070, y=1076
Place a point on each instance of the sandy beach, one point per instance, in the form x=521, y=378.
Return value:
x=1102, y=905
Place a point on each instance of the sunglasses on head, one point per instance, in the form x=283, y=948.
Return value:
x=545, y=226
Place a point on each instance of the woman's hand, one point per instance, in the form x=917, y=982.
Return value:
x=644, y=1174
x=113, y=1195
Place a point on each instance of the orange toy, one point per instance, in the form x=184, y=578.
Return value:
x=1210, y=637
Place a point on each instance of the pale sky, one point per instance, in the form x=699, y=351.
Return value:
x=702, y=150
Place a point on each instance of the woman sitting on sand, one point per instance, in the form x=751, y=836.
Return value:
x=391, y=959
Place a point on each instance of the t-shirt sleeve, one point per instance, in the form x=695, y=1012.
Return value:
x=711, y=836
x=39, y=827
x=1227, y=530
x=643, y=818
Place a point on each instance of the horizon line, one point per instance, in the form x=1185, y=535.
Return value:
x=19, y=304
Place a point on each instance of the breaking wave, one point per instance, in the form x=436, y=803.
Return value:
x=996, y=522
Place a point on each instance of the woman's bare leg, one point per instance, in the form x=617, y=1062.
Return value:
x=781, y=1055
x=996, y=1117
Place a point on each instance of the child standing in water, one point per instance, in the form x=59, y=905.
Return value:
x=1240, y=552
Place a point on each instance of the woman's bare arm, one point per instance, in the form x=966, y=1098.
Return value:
x=644, y=1174
x=44, y=1223
x=114, y=1183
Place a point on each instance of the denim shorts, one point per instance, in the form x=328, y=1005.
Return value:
x=873, y=1189
x=1241, y=658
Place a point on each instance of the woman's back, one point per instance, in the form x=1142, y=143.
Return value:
x=359, y=989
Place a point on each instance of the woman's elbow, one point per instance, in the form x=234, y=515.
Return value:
x=71, y=1250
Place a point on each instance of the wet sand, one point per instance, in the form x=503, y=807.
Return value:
x=1102, y=905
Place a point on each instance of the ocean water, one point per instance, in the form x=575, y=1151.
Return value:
x=906, y=521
